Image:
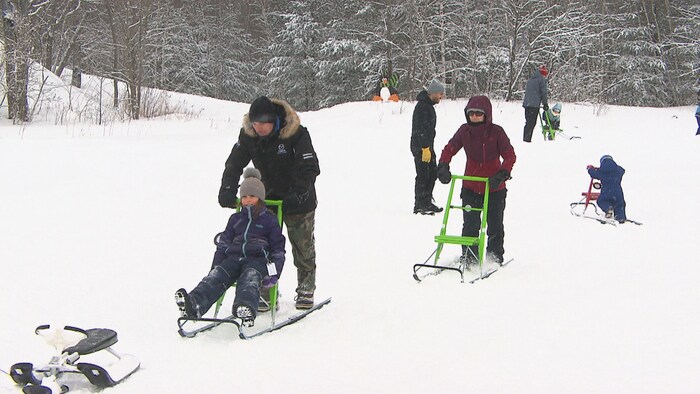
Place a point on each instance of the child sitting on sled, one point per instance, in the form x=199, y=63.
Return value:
x=611, y=199
x=250, y=252
x=551, y=119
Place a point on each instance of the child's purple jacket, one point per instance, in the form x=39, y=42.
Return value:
x=250, y=236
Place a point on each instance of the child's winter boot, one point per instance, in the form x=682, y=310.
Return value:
x=609, y=214
x=185, y=304
x=245, y=313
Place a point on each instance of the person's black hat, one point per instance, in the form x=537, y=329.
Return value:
x=262, y=110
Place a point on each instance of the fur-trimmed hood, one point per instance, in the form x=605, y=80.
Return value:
x=289, y=120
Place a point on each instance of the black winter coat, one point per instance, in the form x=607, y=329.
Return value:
x=424, y=120
x=286, y=159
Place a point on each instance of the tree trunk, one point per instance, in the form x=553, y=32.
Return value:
x=8, y=33
x=16, y=70
x=77, y=77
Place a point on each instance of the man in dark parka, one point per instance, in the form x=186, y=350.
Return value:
x=273, y=138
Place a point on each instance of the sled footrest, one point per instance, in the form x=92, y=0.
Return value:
x=23, y=374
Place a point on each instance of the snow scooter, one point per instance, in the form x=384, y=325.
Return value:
x=72, y=343
x=443, y=238
x=587, y=199
x=190, y=327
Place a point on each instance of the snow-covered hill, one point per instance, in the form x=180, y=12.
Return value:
x=99, y=225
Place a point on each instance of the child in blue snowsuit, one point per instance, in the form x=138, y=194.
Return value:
x=611, y=199
x=250, y=252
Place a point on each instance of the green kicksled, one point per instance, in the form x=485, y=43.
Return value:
x=421, y=271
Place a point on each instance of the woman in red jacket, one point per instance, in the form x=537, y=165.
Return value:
x=489, y=155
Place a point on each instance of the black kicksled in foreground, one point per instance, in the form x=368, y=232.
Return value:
x=72, y=343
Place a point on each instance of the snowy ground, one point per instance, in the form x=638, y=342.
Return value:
x=100, y=225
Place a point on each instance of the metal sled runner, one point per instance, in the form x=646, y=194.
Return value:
x=443, y=238
x=72, y=343
x=190, y=327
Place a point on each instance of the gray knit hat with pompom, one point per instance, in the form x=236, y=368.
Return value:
x=252, y=185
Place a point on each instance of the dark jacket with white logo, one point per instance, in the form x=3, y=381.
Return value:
x=286, y=159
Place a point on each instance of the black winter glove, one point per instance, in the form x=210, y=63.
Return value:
x=545, y=107
x=443, y=173
x=499, y=177
x=295, y=200
x=227, y=196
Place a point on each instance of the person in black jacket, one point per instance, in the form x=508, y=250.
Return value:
x=422, y=140
x=273, y=138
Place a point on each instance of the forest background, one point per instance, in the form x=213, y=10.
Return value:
x=318, y=53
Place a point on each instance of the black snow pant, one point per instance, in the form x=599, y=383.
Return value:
x=531, y=114
x=494, y=221
x=247, y=273
x=426, y=175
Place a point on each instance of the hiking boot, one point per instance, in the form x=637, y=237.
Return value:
x=304, y=300
x=185, y=305
x=422, y=210
x=433, y=208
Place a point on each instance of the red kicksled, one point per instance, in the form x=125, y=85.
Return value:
x=587, y=199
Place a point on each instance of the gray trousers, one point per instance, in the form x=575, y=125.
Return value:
x=300, y=229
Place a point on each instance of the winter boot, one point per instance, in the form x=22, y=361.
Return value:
x=304, y=300
x=433, y=208
x=609, y=214
x=245, y=313
x=495, y=258
x=423, y=210
x=184, y=303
